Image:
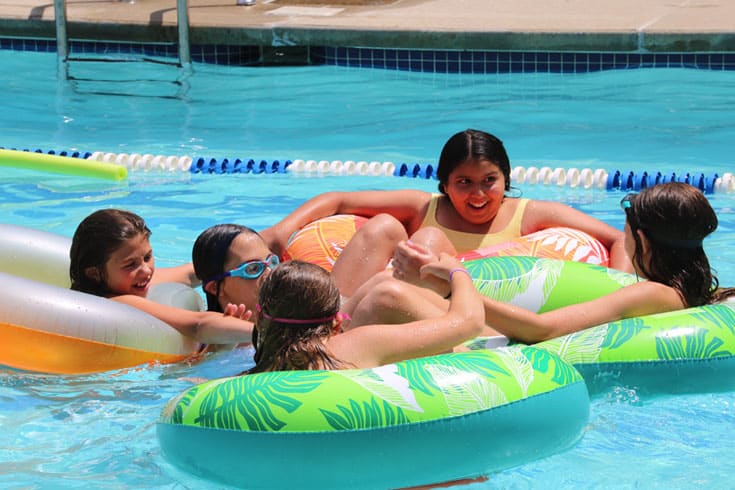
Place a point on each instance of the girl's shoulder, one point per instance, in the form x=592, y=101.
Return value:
x=383, y=192
x=514, y=202
x=386, y=198
x=352, y=347
x=415, y=194
x=541, y=205
x=649, y=297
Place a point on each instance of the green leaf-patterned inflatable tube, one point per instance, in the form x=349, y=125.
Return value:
x=691, y=350
x=420, y=421
x=684, y=351
x=540, y=285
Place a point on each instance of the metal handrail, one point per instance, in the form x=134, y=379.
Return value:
x=182, y=20
x=62, y=37
x=62, y=40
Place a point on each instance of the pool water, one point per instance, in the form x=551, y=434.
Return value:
x=99, y=431
x=656, y=119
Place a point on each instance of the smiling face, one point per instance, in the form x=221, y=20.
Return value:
x=476, y=189
x=129, y=269
x=236, y=290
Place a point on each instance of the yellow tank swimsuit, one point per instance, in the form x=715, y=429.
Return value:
x=464, y=242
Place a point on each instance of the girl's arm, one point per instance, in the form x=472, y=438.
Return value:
x=540, y=215
x=183, y=274
x=407, y=206
x=375, y=345
x=408, y=260
x=206, y=327
x=642, y=298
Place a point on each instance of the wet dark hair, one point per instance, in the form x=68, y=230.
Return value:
x=210, y=253
x=296, y=290
x=96, y=238
x=471, y=144
x=675, y=217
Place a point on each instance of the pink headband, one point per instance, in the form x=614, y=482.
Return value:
x=299, y=321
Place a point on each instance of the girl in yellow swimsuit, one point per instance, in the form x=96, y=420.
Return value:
x=472, y=210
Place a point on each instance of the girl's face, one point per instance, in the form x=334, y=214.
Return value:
x=130, y=268
x=245, y=247
x=476, y=189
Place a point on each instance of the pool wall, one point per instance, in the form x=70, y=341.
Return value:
x=415, y=60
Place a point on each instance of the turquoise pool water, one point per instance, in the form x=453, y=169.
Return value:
x=99, y=431
x=662, y=119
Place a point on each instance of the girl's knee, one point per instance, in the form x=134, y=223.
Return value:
x=389, y=294
x=434, y=239
x=384, y=303
x=384, y=227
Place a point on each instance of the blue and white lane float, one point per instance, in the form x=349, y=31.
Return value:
x=45, y=327
x=415, y=422
x=114, y=165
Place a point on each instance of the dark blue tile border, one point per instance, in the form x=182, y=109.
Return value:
x=430, y=61
x=214, y=54
x=490, y=62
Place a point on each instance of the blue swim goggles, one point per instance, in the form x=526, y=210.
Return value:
x=251, y=269
x=625, y=202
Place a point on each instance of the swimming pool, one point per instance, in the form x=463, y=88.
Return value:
x=667, y=119
x=99, y=430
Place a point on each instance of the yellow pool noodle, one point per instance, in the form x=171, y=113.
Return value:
x=62, y=165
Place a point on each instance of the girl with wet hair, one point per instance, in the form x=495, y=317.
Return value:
x=229, y=260
x=111, y=256
x=298, y=310
x=299, y=325
x=472, y=145
x=668, y=224
x=664, y=232
x=475, y=208
x=96, y=238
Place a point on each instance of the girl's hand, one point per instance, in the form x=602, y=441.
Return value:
x=238, y=311
x=408, y=259
x=440, y=267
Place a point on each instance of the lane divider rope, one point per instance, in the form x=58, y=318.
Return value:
x=146, y=162
x=625, y=180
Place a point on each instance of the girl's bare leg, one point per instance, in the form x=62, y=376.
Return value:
x=433, y=239
x=386, y=300
x=367, y=253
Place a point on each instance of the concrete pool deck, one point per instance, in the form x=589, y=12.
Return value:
x=578, y=25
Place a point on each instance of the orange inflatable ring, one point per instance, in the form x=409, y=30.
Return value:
x=321, y=242
x=552, y=243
